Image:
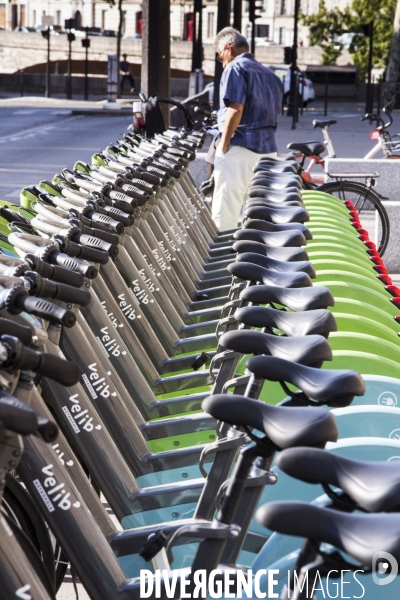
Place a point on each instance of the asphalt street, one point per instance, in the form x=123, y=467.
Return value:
x=36, y=143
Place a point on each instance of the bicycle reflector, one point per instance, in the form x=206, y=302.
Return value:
x=373, y=253
x=349, y=204
x=377, y=260
x=374, y=135
x=396, y=302
x=382, y=270
x=385, y=279
x=367, y=242
x=394, y=290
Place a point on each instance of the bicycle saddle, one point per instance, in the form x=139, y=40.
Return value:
x=322, y=124
x=310, y=350
x=308, y=148
x=335, y=388
x=275, y=168
x=375, y=486
x=312, y=322
x=280, y=253
x=285, y=427
x=274, y=204
x=277, y=265
x=272, y=238
x=300, y=299
x=276, y=184
x=258, y=191
x=361, y=536
x=278, y=215
x=262, y=225
x=251, y=272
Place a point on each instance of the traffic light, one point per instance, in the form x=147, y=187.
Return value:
x=288, y=55
x=256, y=7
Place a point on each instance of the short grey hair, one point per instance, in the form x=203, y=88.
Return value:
x=229, y=35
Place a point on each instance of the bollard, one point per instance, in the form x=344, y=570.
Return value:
x=21, y=82
x=112, y=75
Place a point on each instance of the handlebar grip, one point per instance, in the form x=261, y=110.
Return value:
x=74, y=264
x=63, y=371
x=102, y=234
x=120, y=215
x=45, y=310
x=202, y=111
x=54, y=272
x=47, y=430
x=172, y=172
x=44, y=288
x=106, y=220
x=17, y=416
x=77, y=251
x=160, y=172
x=153, y=179
x=89, y=241
x=123, y=207
x=8, y=327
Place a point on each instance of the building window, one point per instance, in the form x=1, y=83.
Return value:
x=262, y=31
x=281, y=35
x=58, y=17
x=283, y=7
x=34, y=18
x=103, y=19
x=210, y=25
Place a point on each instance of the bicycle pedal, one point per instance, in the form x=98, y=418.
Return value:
x=154, y=544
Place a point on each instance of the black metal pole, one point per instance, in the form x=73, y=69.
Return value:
x=223, y=20
x=293, y=79
x=69, y=88
x=21, y=82
x=119, y=37
x=47, y=94
x=86, y=63
x=197, y=50
x=237, y=14
x=368, y=105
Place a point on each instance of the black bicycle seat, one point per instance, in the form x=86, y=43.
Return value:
x=289, y=194
x=262, y=225
x=275, y=168
x=277, y=215
x=277, y=183
x=310, y=350
x=291, y=238
x=274, y=204
x=281, y=253
x=251, y=272
x=285, y=427
x=322, y=124
x=311, y=322
x=375, y=486
x=308, y=148
x=297, y=299
x=335, y=388
x=360, y=536
x=277, y=265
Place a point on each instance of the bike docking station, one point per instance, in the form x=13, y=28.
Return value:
x=233, y=395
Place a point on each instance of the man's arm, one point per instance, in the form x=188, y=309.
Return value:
x=233, y=118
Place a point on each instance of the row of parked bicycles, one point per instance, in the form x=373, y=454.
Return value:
x=185, y=376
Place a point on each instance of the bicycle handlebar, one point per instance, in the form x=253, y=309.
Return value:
x=44, y=288
x=22, y=419
x=17, y=300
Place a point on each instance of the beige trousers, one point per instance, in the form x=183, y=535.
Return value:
x=232, y=174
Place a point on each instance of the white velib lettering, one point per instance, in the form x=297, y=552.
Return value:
x=257, y=591
x=272, y=583
x=82, y=416
x=228, y=582
x=244, y=583
x=215, y=587
x=200, y=581
x=146, y=576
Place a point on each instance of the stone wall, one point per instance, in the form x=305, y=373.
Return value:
x=21, y=50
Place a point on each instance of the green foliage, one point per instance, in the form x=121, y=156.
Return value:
x=327, y=26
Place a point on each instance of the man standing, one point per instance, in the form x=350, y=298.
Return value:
x=125, y=69
x=251, y=100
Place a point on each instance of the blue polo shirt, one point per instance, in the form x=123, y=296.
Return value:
x=248, y=82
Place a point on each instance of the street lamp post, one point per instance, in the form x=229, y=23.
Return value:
x=369, y=32
x=86, y=45
x=70, y=24
x=293, y=104
x=46, y=35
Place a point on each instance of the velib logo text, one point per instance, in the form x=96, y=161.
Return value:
x=53, y=493
x=384, y=568
x=79, y=417
x=263, y=583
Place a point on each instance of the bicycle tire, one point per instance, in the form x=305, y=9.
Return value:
x=372, y=213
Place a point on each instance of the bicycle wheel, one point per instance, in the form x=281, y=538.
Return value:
x=372, y=213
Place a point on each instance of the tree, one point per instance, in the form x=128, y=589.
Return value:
x=326, y=27
x=392, y=88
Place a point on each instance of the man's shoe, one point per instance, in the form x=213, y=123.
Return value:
x=132, y=90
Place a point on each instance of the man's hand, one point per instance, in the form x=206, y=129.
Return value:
x=233, y=118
